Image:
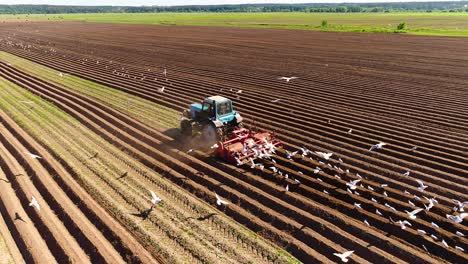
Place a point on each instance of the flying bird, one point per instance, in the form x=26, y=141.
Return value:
x=154, y=198
x=352, y=184
x=460, y=234
x=403, y=224
x=357, y=205
x=445, y=244
x=406, y=173
x=324, y=155
x=435, y=225
x=161, y=90
x=34, y=203
x=377, y=146
x=421, y=187
x=367, y=223
x=220, y=201
x=344, y=256
x=34, y=156
x=460, y=205
x=430, y=205
x=460, y=248
x=350, y=131
x=287, y=79
x=276, y=100
x=412, y=214
x=378, y=212
x=422, y=232
x=457, y=218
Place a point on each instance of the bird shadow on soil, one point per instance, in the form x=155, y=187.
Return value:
x=18, y=218
x=143, y=214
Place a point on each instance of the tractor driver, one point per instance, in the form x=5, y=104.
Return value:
x=211, y=111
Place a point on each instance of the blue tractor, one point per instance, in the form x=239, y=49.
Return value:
x=214, y=118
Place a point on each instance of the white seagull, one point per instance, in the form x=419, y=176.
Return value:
x=457, y=218
x=421, y=187
x=377, y=146
x=161, y=90
x=344, y=256
x=220, y=201
x=287, y=79
x=154, y=198
x=352, y=184
x=324, y=155
x=34, y=203
x=445, y=244
x=460, y=248
x=214, y=146
x=422, y=232
x=403, y=224
x=430, y=205
x=435, y=225
x=460, y=234
x=406, y=173
x=34, y=156
x=412, y=214
x=460, y=205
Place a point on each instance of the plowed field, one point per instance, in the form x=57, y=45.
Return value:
x=353, y=91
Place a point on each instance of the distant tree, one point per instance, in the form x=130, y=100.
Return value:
x=341, y=9
x=402, y=26
x=354, y=9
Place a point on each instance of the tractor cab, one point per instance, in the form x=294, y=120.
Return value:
x=214, y=117
x=216, y=109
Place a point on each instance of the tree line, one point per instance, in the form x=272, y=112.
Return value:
x=453, y=6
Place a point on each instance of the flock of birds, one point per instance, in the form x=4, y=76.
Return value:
x=267, y=150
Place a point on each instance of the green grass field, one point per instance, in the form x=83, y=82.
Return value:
x=442, y=24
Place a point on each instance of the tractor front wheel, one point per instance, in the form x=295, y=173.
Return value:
x=186, y=128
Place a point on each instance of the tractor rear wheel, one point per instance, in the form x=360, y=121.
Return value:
x=186, y=128
x=210, y=134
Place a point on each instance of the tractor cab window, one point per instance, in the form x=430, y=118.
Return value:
x=224, y=108
x=208, y=109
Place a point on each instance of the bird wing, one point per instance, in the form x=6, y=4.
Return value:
x=154, y=196
x=420, y=183
x=338, y=255
x=347, y=253
x=463, y=215
x=220, y=201
x=414, y=212
x=355, y=182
